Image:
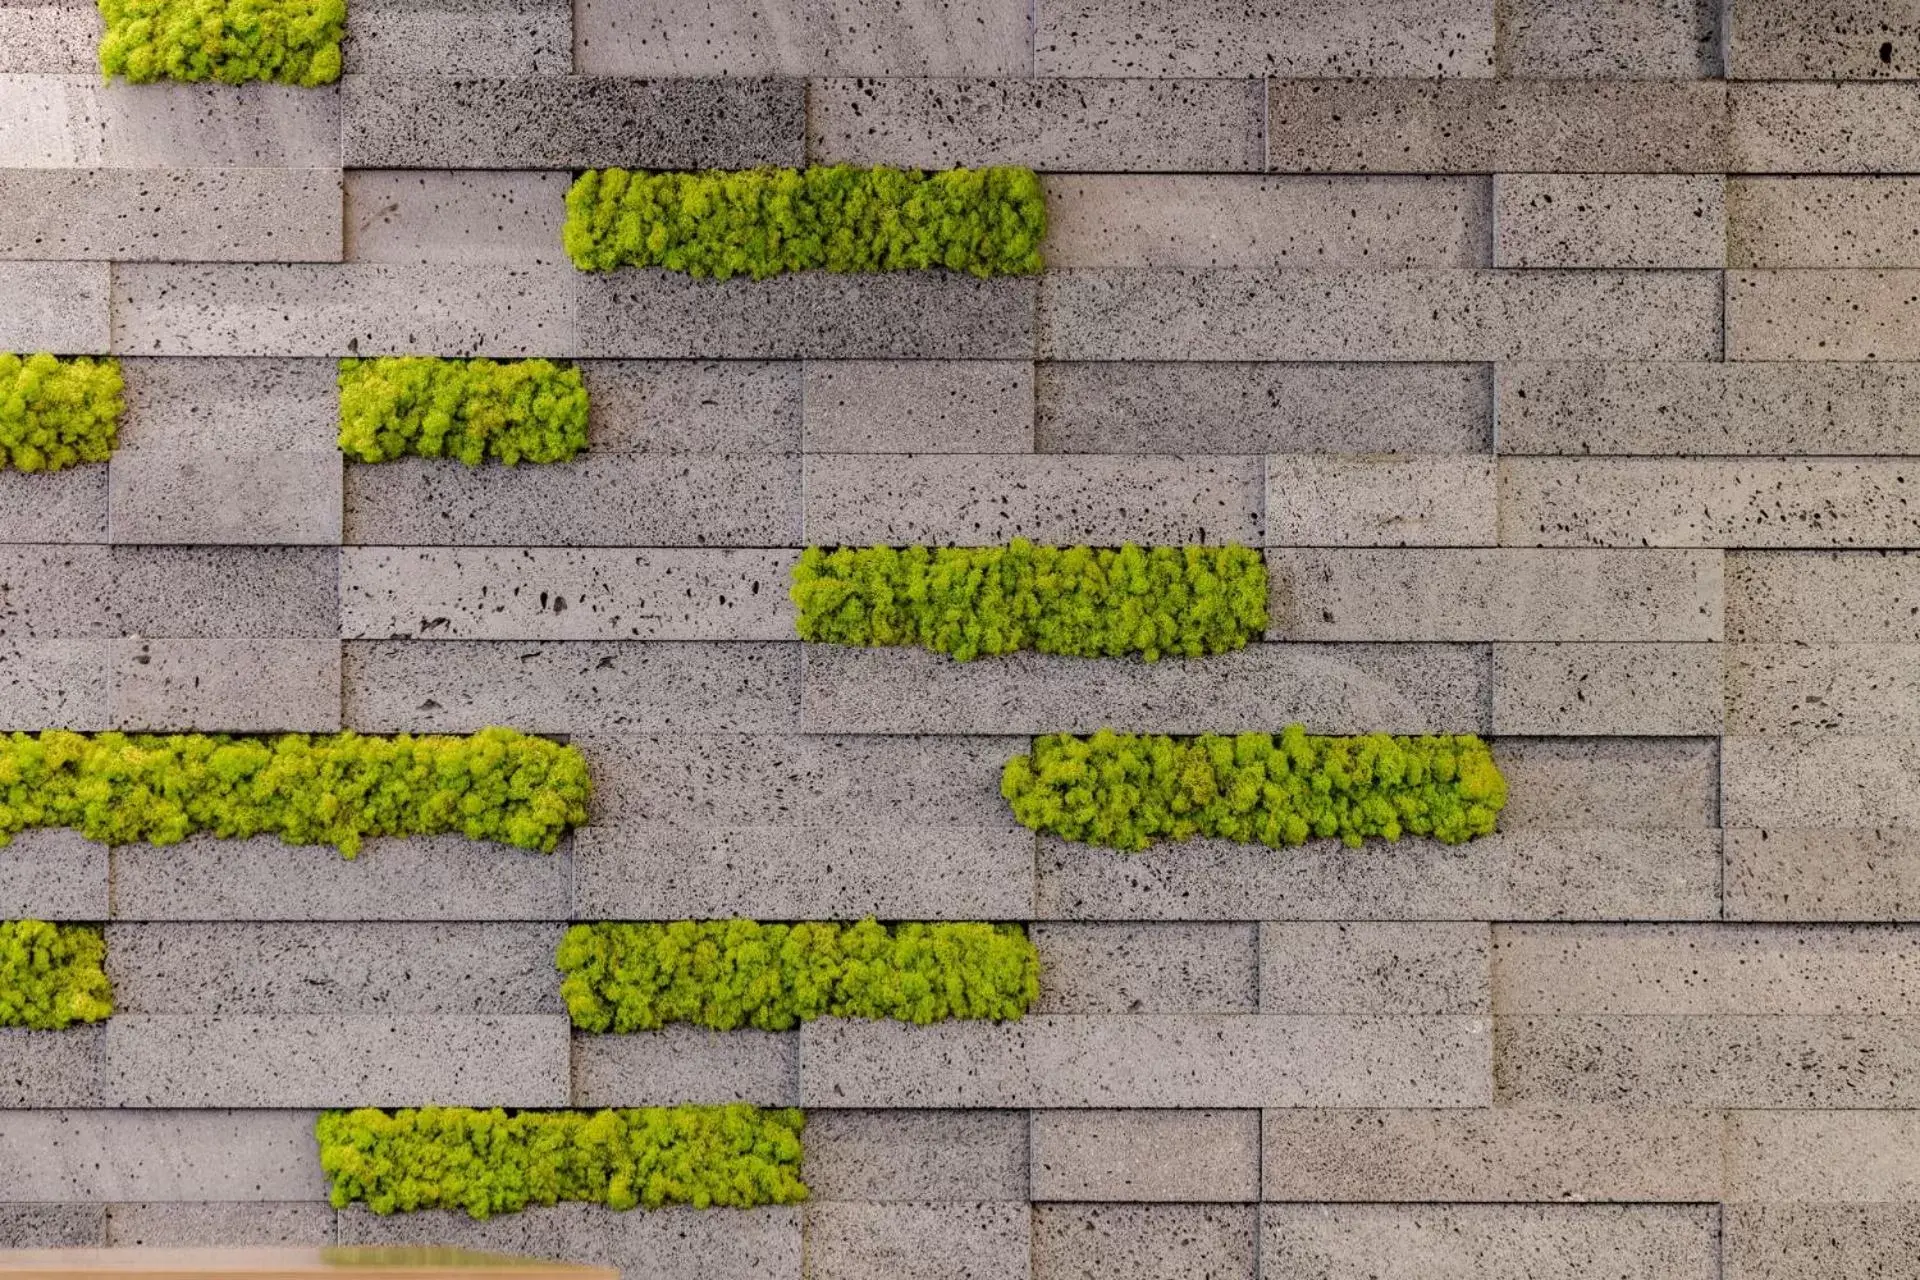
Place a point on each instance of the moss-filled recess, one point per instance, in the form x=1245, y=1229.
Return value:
x=726, y=974
x=231, y=41
x=760, y=222
x=1128, y=791
x=307, y=789
x=57, y=413
x=489, y=1162
x=474, y=410
x=1085, y=602
x=51, y=975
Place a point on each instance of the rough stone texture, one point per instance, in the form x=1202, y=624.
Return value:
x=1609, y=220
x=40, y=1069
x=1822, y=222
x=80, y=122
x=1822, y=874
x=1822, y=315
x=1837, y=597
x=884, y=1156
x=50, y=37
x=466, y=218
x=1830, y=1157
x=1609, y=689
x=931, y=406
x=172, y=215
x=1793, y=689
x=1149, y=968
x=1173, y=1156
x=1812, y=779
x=54, y=306
x=55, y=593
x=56, y=682
x=217, y=403
x=937, y=1241
x=1778, y=1242
x=1777, y=40
x=682, y=406
x=163, y=1225
x=230, y=686
x=1782, y=128
x=52, y=1226
x=1142, y=1241
x=53, y=874
x=459, y=37
x=1622, y=39
x=56, y=506
x=1374, y=968
x=1412, y=500
x=219, y=592
x=227, y=497
x=159, y=1156
x=681, y=1063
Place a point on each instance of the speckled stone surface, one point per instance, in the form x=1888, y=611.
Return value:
x=1823, y=315
x=1141, y=1241
x=1810, y=779
x=1823, y=222
x=53, y=37
x=459, y=37
x=55, y=682
x=40, y=1069
x=1147, y=968
x=54, y=306
x=917, y=406
x=225, y=685
x=1610, y=688
x=55, y=593
x=214, y=403
x=1408, y=500
x=686, y=1064
x=1805, y=687
x=1617, y=40
x=1610, y=220
x=883, y=1156
x=52, y=1226
x=1833, y=596
x=136, y=215
x=1836, y=1157
x=688, y=406
x=427, y=215
x=936, y=1241
x=1786, y=1242
x=1196, y=1156
x=169, y=1225
x=1826, y=873
x=1863, y=40
x=157, y=1156
x=226, y=497
x=1587, y=783
x=1358, y=968
x=216, y=592
x=56, y=506
x=1781, y=128
x=53, y=874
x=79, y=121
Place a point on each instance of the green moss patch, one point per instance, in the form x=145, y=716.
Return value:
x=230, y=41
x=57, y=413
x=52, y=975
x=474, y=410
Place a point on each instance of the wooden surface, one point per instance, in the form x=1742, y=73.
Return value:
x=363, y=1263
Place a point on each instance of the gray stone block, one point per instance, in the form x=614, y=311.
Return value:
x=685, y=1064
x=53, y=874
x=619, y=499
x=1675, y=408
x=1409, y=969
x=1148, y=1060
x=56, y=683
x=54, y=38
x=1417, y=314
x=1800, y=688
x=884, y=1156
x=1782, y=1242
x=355, y=308
x=200, y=496
x=1074, y=126
x=55, y=592
x=51, y=1068
x=1385, y=223
x=683, y=406
x=52, y=1226
x=1823, y=596
x=918, y=406
x=899, y=315
x=1200, y=1156
x=1568, y=874
x=58, y=506
x=459, y=37
x=54, y=306
x=1147, y=968
x=1490, y=1242
x=985, y=1241
x=1822, y=315
x=645, y=687
x=1831, y=874
x=83, y=122
x=1331, y=689
x=1822, y=222
x=152, y=1226
x=217, y=403
x=94, y=1157
x=1484, y=126
x=1421, y=500
x=1620, y=40
x=1782, y=128
x=1154, y=407
x=1609, y=220
x=172, y=215
x=418, y=878
x=434, y=593
x=1775, y=40
x=1822, y=1157
x=1144, y=1241
x=416, y=216
x=1819, y=780
x=1595, y=783
x=988, y=499
x=226, y=686
x=413, y=121
x=334, y=1060
x=439, y=968
x=1504, y=594
x=803, y=38
x=1609, y=689
x=220, y=592
x=1493, y=1154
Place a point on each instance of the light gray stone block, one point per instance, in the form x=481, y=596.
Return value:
x=1148, y=1060
x=54, y=38
x=55, y=592
x=1620, y=40
x=418, y=878
x=1801, y=688
x=52, y=1226
x=413, y=121
x=643, y=687
x=1778, y=128
x=1227, y=407
x=1788, y=874
x=620, y=499
x=1421, y=500
x=1609, y=220
x=1502, y=594
x=900, y=315
x=1389, y=688
x=459, y=37
x=1780, y=1242
x=1568, y=874
x=1491, y=1242
x=1386, y=223
x=685, y=1064
x=682, y=406
x=1775, y=40
x=54, y=306
x=1823, y=222
x=56, y=506
x=82, y=122
x=1147, y=968
x=439, y=968
x=1823, y=315
x=416, y=216
x=226, y=686
x=1142, y=1241
x=1715, y=408
x=356, y=308
x=882, y=1156
x=219, y=592
x=51, y=1068
x=270, y=1225
x=216, y=403
x=63, y=684
x=1609, y=689
x=1814, y=596
x=918, y=406
x=1492, y=1154
x=334, y=1060
x=185, y=215
x=1417, y=314
x=1407, y=969
x=1062, y=125
x=1200, y=1156
x=1484, y=126
x=989, y=499
x=1822, y=1157
x=53, y=874
x=1594, y=783
x=803, y=38
x=934, y=1241
x=95, y=1157
x=233, y=496
x=1819, y=780
x=530, y=593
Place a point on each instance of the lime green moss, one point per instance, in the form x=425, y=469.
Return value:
x=971, y=602
x=726, y=974
x=473, y=410
x=323, y=789
x=231, y=41
x=57, y=413
x=489, y=1162
x=760, y=222
x=51, y=975
x=1128, y=791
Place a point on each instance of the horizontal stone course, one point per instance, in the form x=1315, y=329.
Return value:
x=882, y=1156
x=56, y=682
x=228, y=685
x=918, y=406
x=1776, y=1242
x=172, y=215
x=1819, y=780
x=455, y=216
x=1609, y=220
x=159, y=1156
x=81, y=121
x=1786, y=127
x=228, y=497
x=1822, y=315
x=1416, y=500
x=1149, y=968
x=1793, y=689
x=1615, y=688
x=1144, y=1156
x=1777, y=40
x=1140, y=1241
x=1822, y=222
x=936, y=1240
x=685, y=1064
x=1630, y=40
x=51, y=1069
x=54, y=506
x=53, y=874
x=175, y=1225
x=61, y=307
x=1397, y=969
x=49, y=38
x=1822, y=1157
x=462, y=37
x=1793, y=874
